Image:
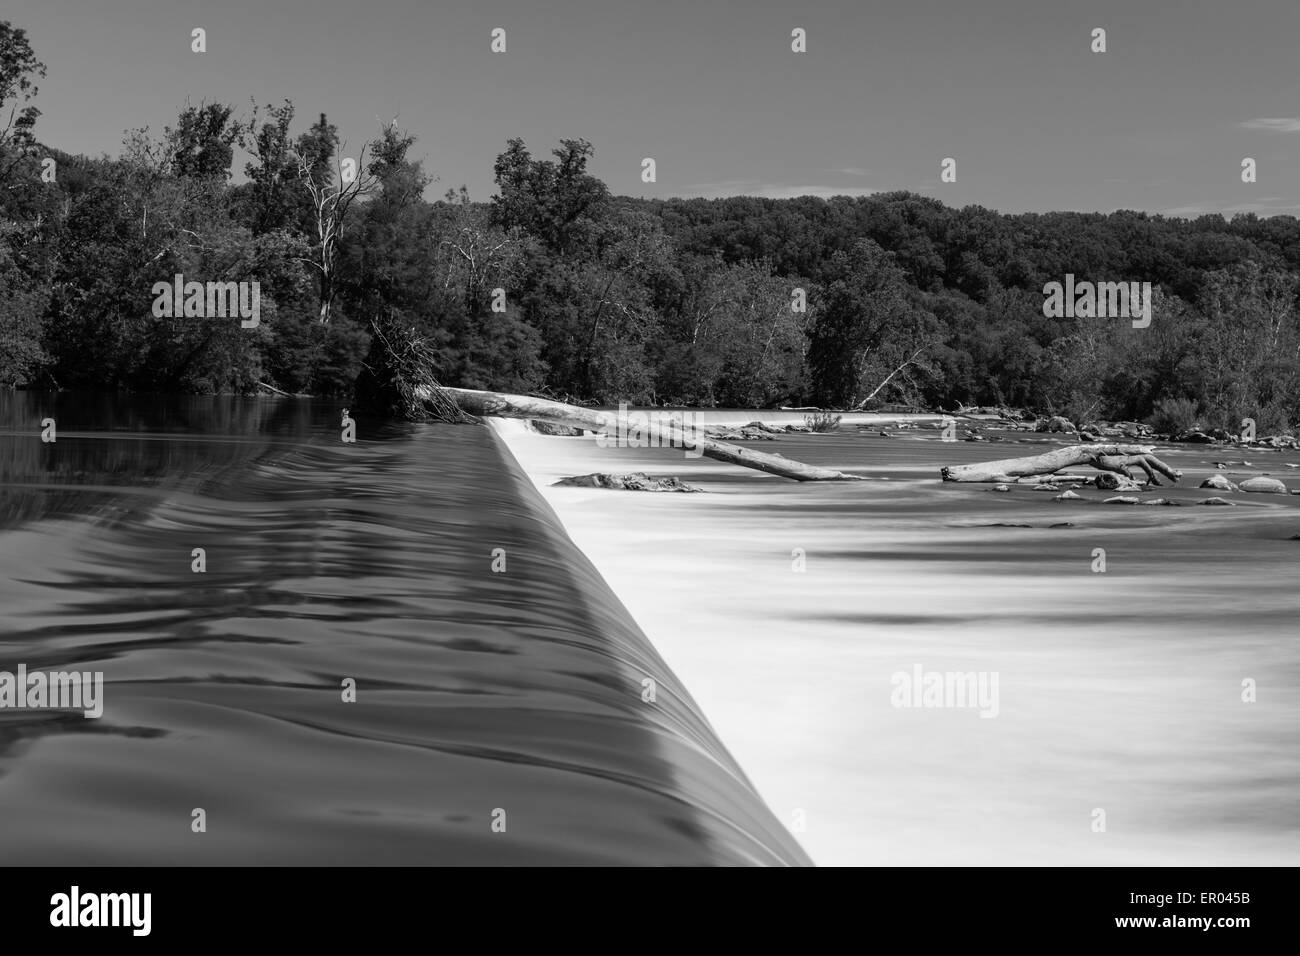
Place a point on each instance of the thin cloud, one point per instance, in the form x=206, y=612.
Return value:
x=754, y=187
x=1275, y=125
x=1269, y=206
x=852, y=171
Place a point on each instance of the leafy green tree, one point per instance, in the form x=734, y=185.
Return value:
x=19, y=72
x=203, y=140
x=556, y=201
x=22, y=309
x=863, y=304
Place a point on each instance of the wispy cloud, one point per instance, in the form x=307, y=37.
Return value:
x=755, y=187
x=851, y=171
x=1274, y=125
x=1267, y=206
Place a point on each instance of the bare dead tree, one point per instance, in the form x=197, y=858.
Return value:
x=912, y=361
x=331, y=201
x=476, y=255
x=1118, y=459
x=662, y=434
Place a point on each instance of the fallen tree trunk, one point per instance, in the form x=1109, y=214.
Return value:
x=1114, y=458
x=501, y=405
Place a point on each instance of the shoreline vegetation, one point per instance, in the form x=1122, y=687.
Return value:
x=556, y=287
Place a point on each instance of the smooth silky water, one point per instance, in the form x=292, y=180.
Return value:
x=788, y=608
x=514, y=696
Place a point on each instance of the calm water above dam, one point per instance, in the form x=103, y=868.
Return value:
x=512, y=696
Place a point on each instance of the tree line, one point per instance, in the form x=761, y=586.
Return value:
x=557, y=287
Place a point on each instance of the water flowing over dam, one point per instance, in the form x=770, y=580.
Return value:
x=507, y=709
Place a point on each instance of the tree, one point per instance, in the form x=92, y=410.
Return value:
x=203, y=141
x=1251, y=346
x=22, y=310
x=555, y=201
x=859, y=316
x=275, y=198
x=19, y=71
x=332, y=198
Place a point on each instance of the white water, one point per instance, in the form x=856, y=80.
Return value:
x=1118, y=691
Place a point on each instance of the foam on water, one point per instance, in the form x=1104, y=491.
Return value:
x=1119, y=691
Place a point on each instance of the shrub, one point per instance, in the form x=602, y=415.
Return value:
x=822, y=422
x=1173, y=415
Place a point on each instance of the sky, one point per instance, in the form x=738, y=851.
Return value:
x=712, y=91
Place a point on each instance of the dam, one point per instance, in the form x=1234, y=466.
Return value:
x=353, y=677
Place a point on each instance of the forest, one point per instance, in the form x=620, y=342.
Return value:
x=557, y=288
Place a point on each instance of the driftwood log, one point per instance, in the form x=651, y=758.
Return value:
x=502, y=405
x=1114, y=458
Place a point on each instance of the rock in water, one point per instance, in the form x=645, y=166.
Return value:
x=637, y=481
x=1121, y=500
x=1055, y=424
x=1219, y=482
x=1068, y=496
x=1262, y=485
x=1219, y=501
x=1109, y=481
x=999, y=488
x=550, y=428
x=743, y=433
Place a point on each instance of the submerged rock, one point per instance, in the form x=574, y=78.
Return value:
x=637, y=481
x=1218, y=501
x=1262, y=485
x=1121, y=500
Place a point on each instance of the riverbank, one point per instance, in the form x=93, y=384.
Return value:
x=1120, y=690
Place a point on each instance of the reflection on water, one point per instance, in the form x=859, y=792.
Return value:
x=513, y=696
